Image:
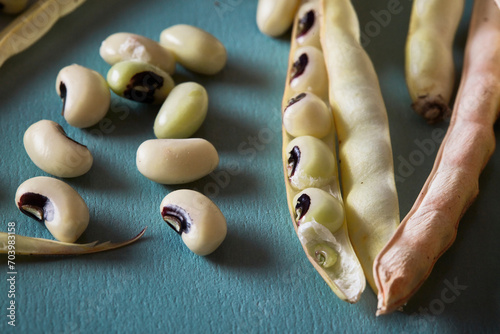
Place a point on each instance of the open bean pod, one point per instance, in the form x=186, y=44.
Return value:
x=310, y=162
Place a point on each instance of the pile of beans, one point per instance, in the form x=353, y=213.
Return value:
x=141, y=71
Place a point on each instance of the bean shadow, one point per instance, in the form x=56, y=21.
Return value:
x=240, y=250
x=100, y=178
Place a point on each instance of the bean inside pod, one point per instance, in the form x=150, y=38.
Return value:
x=310, y=163
x=307, y=115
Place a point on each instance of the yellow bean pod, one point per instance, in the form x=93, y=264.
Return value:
x=366, y=165
x=37, y=19
x=324, y=239
x=430, y=71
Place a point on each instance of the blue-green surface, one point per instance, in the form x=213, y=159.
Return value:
x=259, y=279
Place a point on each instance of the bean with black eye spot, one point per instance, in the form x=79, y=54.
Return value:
x=310, y=163
x=308, y=72
x=85, y=94
x=314, y=204
x=308, y=27
x=56, y=204
x=197, y=219
x=307, y=115
x=140, y=82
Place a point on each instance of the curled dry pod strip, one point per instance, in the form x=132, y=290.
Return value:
x=55, y=203
x=126, y=46
x=327, y=246
x=196, y=218
x=140, y=82
x=176, y=161
x=85, y=94
x=274, y=17
x=13, y=6
x=37, y=246
x=308, y=72
x=54, y=152
x=194, y=48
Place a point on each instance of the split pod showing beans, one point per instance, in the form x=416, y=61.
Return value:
x=126, y=46
x=176, y=161
x=56, y=204
x=54, y=152
x=196, y=218
x=183, y=111
x=194, y=48
x=139, y=81
x=85, y=94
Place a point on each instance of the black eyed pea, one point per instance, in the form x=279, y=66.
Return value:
x=125, y=46
x=55, y=203
x=85, y=94
x=308, y=26
x=310, y=163
x=176, y=161
x=13, y=6
x=314, y=204
x=308, y=72
x=183, y=111
x=54, y=152
x=307, y=115
x=139, y=81
x=194, y=48
x=196, y=218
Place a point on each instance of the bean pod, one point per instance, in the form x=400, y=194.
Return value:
x=310, y=164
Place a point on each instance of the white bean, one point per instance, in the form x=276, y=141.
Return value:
x=176, y=161
x=194, y=48
x=54, y=152
x=196, y=218
x=126, y=46
x=85, y=94
x=55, y=203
